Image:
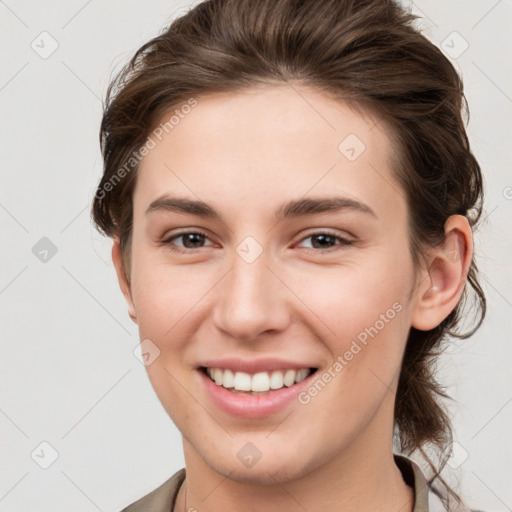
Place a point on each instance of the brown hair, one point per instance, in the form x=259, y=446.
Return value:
x=364, y=51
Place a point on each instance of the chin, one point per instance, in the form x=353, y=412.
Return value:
x=271, y=471
x=271, y=475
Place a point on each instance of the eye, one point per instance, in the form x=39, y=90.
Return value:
x=191, y=240
x=325, y=242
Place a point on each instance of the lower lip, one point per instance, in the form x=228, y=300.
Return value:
x=253, y=406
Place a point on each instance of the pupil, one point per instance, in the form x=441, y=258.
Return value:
x=198, y=238
x=323, y=237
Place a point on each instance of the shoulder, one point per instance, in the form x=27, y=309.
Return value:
x=160, y=499
x=436, y=504
x=427, y=498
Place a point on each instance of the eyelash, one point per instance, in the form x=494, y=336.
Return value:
x=343, y=242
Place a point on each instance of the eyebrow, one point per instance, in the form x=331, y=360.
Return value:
x=290, y=209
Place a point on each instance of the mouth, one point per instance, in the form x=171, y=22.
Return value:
x=260, y=383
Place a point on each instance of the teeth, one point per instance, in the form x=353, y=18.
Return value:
x=241, y=382
x=228, y=379
x=276, y=380
x=301, y=374
x=258, y=382
x=217, y=375
x=289, y=378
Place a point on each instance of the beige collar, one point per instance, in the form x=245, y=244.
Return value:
x=163, y=498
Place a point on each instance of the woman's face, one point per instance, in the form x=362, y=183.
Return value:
x=260, y=285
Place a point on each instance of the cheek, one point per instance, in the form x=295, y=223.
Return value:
x=349, y=299
x=164, y=295
x=166, y=298
x=345, y=300
x=364, y=313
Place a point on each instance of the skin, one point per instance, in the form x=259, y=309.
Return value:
x=245, y=154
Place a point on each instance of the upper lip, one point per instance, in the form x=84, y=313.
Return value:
x=253, y=365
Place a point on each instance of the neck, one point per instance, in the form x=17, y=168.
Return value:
x=362, y=477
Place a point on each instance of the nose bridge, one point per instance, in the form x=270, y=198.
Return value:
x=251, y=301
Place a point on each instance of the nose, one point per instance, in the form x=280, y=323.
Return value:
x=253, y=300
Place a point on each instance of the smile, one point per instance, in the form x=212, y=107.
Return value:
x=257, y=383
x=256, y=394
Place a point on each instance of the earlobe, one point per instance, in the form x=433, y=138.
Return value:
x=440, y=291
x=124, y=283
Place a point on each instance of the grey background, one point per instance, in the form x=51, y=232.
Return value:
x=69, y=376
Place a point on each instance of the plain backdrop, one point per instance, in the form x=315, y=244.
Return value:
x=81, y=428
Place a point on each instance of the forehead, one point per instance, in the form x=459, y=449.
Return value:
x=251, y=149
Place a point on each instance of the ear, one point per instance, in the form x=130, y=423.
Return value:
x=124, y=282
x=443, y=281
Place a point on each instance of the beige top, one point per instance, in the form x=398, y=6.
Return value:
x=162, y=499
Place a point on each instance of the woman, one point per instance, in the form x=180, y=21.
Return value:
x=291, y=195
